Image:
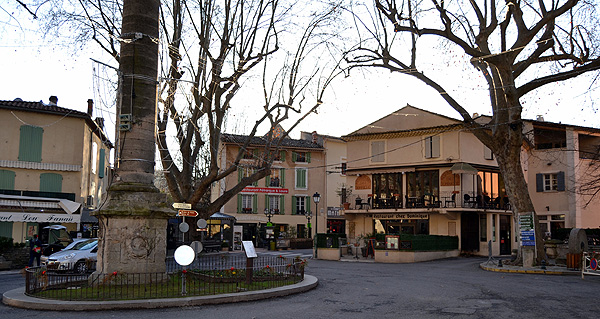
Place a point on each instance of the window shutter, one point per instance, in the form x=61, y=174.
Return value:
x=281, y=205
x=560, y=181
x=294, y=156
x=282, y=155
x=7, y=179
x=255, y=183
x=539, y=183
x=267, y=206
x=239, y=203
x=307, y=204
x=267, y=180
x=294, y=203
x=51, y=182
x=308, y=157
x=255, y=203
x=30, y=143
x=240, y=174
x=282, y=177
x=428, y=147
x=435, y=146
x=101, y=165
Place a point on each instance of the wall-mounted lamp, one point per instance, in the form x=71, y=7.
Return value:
x=548, y=208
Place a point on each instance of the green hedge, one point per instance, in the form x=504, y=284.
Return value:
x=429, y=242
x=329, y=240
x=6, y=244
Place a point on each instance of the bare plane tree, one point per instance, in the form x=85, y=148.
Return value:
x=209, y=50
x=518, y=46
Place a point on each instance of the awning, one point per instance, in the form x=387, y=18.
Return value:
x=379, y=170
x=39, y=217
x=221, y=216
x=463, y=168
x=29, y=203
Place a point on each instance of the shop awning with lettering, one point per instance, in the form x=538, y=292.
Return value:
x=15, y=208
x=39, y=217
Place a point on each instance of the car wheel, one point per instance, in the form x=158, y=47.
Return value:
x=80, y=267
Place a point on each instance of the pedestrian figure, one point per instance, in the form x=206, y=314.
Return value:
x=35, y=250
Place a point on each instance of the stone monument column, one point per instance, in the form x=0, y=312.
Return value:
x=133, y=220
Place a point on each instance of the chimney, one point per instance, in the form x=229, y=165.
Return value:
x=540, y=118
x=475, y=115
x=53, y=100
x=314, y=136
x=100, y=122
x=90, y=107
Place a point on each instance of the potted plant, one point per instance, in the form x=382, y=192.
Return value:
x=344, y=191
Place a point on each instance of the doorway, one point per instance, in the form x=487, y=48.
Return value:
x=469, y=232
x=505, y=246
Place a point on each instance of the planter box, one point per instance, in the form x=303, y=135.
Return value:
x=399, y=257
x=329, y=254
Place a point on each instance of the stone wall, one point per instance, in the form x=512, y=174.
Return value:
x=14, y=258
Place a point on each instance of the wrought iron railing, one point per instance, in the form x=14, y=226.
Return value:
x=208, y=275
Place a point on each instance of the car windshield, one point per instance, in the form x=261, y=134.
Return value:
x=85, y=244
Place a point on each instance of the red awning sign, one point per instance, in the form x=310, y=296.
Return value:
x=187, y=213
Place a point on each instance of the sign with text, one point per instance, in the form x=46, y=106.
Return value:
x=267, y=190
x=39, y=217
x=187, y=213
x=182, y=205
x=249, y=249
x=400, y=216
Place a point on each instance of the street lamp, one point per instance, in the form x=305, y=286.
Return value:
x=316, y=199
x=269, y=229
x=308, y=216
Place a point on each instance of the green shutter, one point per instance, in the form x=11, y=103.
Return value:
x=30, y=143
x=240, y=173
x=294, y=156
x=51, y=182
x=281, y=205
x=282, y=177
x=307, y=204
x=282, y=155
x=239, y=203
x=308, y=157
x=6, y=229
x=255, y=203
x=7, y=179
x=101, y=164
x=267, y=180
x=255, y=183
x=267, y=202
x=294, y=208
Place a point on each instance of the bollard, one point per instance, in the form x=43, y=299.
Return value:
x=543, y=264
x=499, y=263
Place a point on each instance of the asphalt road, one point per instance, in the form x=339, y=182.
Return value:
x=452, y=288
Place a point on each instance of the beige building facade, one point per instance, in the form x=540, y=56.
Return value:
x=54, y=164
x=298, y=173
x=416, y=172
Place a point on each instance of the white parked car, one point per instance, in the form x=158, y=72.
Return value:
x=80, y=258
x=44, y=258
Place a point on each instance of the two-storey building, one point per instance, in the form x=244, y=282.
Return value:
x=297, y=174
x=54, y=164
x=417, y=172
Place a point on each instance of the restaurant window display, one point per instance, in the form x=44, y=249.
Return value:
x=402, y=226
x=387, y=190
x=421, y=184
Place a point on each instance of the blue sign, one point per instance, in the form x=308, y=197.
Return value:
x=528, y=243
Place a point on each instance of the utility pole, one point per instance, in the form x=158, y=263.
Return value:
x=133, y=220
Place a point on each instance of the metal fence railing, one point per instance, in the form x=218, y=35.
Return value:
x=208, y=275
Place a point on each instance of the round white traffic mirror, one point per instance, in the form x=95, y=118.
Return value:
x=196, y=246
x=184, y=227
x=201, y=223
x=184, y=255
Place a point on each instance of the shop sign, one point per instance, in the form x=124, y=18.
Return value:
x=268, y=190
x=400, y=216
x=39, y=218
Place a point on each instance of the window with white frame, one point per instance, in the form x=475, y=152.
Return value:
x=247, y=204
x=378, y=151
x=432, y=146
x=550, y=182
x=300, y=205
x=274, y=203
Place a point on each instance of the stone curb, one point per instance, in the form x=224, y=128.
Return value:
x=17, y=298
x=528, y=271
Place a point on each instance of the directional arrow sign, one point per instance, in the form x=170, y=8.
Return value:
x=182, y=205
x=187, y=213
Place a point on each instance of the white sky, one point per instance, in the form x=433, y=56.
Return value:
x=34, y=70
